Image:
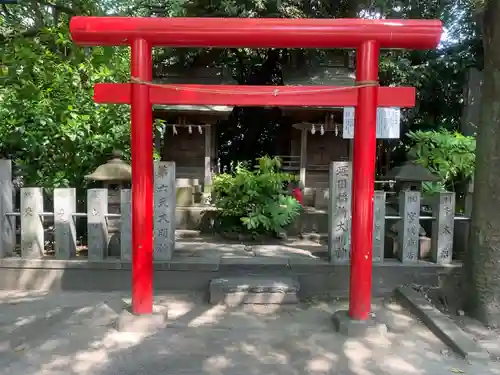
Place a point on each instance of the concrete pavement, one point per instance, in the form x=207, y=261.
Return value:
x=73, y=333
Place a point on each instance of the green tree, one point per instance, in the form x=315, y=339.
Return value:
x=439, y=75
x=36, y=50
x=449, y=155
x=50, y=125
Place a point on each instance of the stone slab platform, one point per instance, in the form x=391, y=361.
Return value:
x=234, y=291
x=202, y=218
x=195, y=263
x=316, y=277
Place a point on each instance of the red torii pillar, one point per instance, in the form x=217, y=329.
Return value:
x=367, y=36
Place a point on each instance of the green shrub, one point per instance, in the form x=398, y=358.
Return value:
x=450, y=155
x=255, y=201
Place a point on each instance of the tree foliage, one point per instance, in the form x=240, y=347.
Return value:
x=439, y=75
x=46, y=81
x=50, y=125
x=449, y=155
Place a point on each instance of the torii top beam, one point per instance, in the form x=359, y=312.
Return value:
x=256, y=32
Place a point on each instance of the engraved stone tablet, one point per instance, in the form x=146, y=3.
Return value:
x=339, y=217
x=443, y=227
x=164, y=210
x=408, y=233
x=378, y=226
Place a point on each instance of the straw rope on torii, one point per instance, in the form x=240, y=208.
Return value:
x=276, y=92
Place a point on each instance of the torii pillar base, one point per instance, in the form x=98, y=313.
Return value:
x=349, y=327
x=130, y=322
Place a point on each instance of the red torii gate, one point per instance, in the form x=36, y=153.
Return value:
x=367, y=36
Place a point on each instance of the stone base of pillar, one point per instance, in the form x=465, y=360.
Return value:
x=148, y=323
x=357, y=328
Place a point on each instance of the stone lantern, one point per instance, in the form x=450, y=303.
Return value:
x=409, y=177
x=114, y=176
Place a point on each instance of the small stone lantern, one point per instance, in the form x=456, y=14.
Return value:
x=114, y=176
x=409, y=177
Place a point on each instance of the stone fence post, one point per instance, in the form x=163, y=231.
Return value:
x=443, y=228
x=97, y=227
x=379, y=210
x=339, y=212
x=409, y=226
x=7, y=224
x=164, y=210
x=64, y=223
x=32, y=236
x=126, y=224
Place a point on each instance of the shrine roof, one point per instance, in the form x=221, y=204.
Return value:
x=319, y=76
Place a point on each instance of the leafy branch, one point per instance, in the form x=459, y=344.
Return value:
x=450, y=155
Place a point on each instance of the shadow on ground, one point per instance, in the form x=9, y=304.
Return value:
x=72, y=333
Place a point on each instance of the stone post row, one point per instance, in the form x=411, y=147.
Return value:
x=32, y=229
x=164, y=217
x=339, y=221
x=339, y=217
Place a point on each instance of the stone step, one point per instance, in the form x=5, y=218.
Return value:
x=181, y=234
x=313, y=236
x=254, y=289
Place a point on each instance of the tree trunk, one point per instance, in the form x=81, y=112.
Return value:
x=482, y=261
